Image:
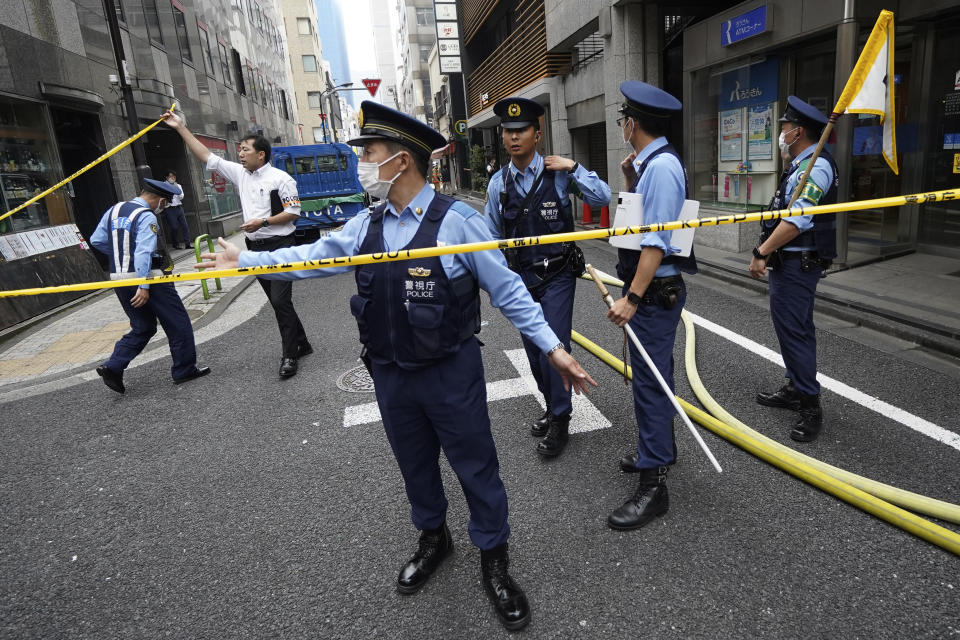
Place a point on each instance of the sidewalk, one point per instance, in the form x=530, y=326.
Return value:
x=82, y=335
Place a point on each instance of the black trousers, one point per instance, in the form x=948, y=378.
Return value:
x=280, y=294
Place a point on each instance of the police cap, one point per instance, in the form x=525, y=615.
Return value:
x=518, y=113
x=161, y=188
x=378, y=122
x=647, y=100
x=804, y=114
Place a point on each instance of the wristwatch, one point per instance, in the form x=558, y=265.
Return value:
x=555, y=347
x=758, y=255
x=633, y=298
x=265, y=222
x=576, y=165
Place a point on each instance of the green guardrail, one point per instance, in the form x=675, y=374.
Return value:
x=210, y=249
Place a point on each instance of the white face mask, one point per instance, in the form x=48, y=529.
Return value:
x=369, y=175
x=784, y=147
x=626, y=137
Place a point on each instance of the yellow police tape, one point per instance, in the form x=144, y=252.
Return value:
x=89, y=166
x=407, y=254
x=837, y=482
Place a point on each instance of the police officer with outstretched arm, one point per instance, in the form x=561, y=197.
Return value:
x=653, y=295
x=417, y=319
x=531, y=197
x=128, y=234
x=797, y=250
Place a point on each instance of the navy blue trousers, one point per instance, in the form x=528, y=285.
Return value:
x=792, y=292
x=444, y=406
x=164, y=306
x=177, y=223
x=556, y=300
x=656, y=329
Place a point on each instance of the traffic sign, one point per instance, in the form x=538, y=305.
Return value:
x=460, y=127
x=372, y=84
x=323, y=116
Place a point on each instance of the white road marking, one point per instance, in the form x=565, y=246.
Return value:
x=885, y=409
x=586, y=417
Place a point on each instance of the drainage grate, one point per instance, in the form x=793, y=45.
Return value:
x=356, y=380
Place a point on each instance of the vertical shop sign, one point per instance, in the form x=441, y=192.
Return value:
x=760, y=132
x=731, y=135
x=448, y=35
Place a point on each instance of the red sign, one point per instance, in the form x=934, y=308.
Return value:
x=323, y=116
x=219, y=182
x=372, y=84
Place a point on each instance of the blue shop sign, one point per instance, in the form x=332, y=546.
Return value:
x=744, y=26
x=756, y=84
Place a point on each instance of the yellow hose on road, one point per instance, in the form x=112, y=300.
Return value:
x=787, y=460
x=906, y=499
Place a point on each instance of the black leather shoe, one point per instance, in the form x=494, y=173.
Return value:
x=304, y=350
x=111, y=379
x=786, y=397
x=198, y=372
x=435, y=545
x=539, y=428
x=811, y=419
x=649, y=501
x=288, y=367
x=628, y=463
x=507, y=597
x=558, y=434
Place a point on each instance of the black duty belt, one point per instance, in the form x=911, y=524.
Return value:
x=797, y=255
x=651, y=295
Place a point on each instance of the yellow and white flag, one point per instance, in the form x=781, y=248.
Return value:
x=870, y=87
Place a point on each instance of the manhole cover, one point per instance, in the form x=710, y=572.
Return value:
x=356, y=380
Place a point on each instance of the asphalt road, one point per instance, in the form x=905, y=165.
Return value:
x=240, y=506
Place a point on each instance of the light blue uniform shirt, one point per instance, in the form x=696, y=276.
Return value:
x=664, y=188
x=595, y=191
x=822, y=176
x=461, y=225
x=146, y=239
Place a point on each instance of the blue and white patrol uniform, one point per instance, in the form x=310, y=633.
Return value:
x=798, y=266
x=417, y=320
x=662, y=180
x=128, y=235
x=545, y=269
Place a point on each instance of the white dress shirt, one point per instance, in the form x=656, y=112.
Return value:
x=255, y=188
x=177, y=200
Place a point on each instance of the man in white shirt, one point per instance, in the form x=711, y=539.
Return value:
x=175, y=218
x=271, y=206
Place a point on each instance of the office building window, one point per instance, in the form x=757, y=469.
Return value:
x=425, y=16
x=283, y=104
x=224, y=63
x=205, y=46
x=238, y=69
x=318, y=134
x=303, y=26
x=180, y=23
x=425, y=52
x=309, y=64
x=313, y=99
x=152, y=18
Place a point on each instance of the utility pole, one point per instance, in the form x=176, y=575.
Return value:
x=139, y=157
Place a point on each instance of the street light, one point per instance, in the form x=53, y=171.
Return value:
x=323, y=114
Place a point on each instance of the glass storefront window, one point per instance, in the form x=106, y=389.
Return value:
x=940, y=222
x=220, y=192
x=27, y=167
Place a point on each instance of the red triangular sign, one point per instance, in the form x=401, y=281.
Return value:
x=372, y=84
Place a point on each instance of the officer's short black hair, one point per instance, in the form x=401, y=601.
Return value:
x=654, y=126
x=420, y=161
x=259, y=144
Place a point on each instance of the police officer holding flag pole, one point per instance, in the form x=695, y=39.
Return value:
x=797, y=250
x=417, y=319
x=129, y=235
x=654, y=294
x=531, y=197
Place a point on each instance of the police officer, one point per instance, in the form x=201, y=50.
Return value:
x=654, y=293
x=797, y=250
x=271, y=206
x=129, y=235
x=417, y=320
x=531, y=197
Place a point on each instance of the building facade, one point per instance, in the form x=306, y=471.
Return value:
x=332, y=39
x=383, y=49
x=307, y=68
x=415, y=38
x=223, y=62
